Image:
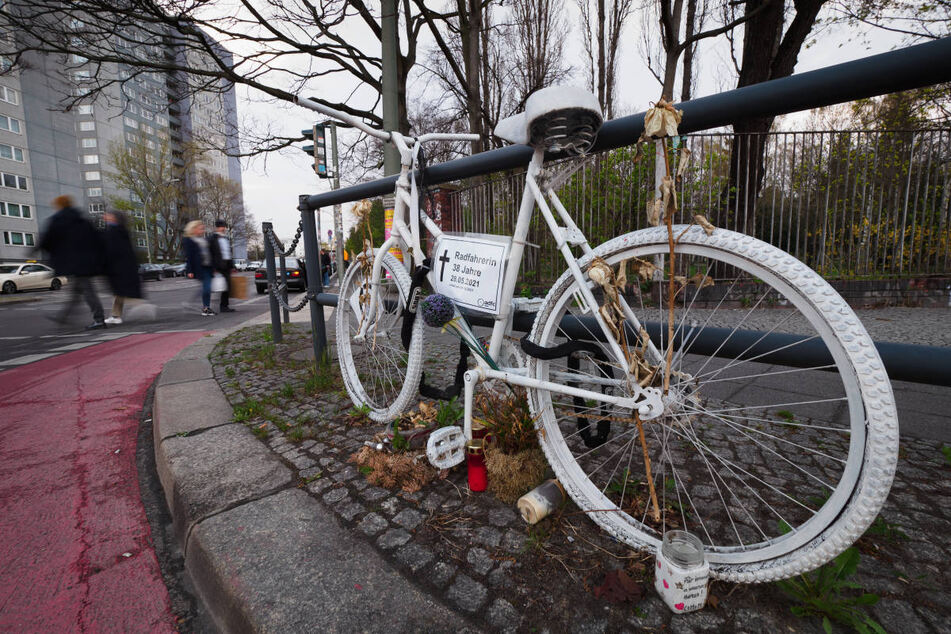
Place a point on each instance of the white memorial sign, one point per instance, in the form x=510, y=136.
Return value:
x=469, y=270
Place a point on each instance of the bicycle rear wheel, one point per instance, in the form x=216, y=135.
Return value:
x=379, y=372
x=779, y=438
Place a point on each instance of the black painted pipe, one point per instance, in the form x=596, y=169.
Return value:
x=913, y=67
x=903, y=362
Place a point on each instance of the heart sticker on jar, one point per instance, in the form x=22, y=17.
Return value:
x=679, y=606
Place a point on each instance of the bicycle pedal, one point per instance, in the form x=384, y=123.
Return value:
x=446, y=447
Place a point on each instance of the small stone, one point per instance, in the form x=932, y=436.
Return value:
x=701, y=621
x=374, y=493
x=514, y=541
x=303, y=461
x=502, y=516
x=503, y=616
x=480, y=560
x=350, y=510
x=319, y=485
x=408, y=519
x=306, y=474
x=898, y=616
x=393, y=538
x=360, y=484
x=432, y=502
x=335, y=495
x=415, y=496
x=326, y=460
x=467, y=593
x=487, y=536
x=390, y=506
x=372, y=524
x=442, y=573
x=651, y=613
x=500, y=577
x=414, y=556
x=348, y=473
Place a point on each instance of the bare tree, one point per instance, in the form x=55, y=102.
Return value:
x=218, y=198
x=602, y=23
x=282, y=50
x=155, y=186
x=486, y=75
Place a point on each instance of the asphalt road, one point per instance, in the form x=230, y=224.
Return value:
x=171, y=305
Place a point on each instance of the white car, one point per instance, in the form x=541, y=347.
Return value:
x=20, y=277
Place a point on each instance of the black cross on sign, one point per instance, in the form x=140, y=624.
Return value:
x=444, y=258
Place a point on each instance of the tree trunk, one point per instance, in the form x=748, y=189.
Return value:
x=768, y=54
x=470, y=30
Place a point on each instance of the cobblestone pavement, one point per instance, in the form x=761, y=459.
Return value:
x=476, y=554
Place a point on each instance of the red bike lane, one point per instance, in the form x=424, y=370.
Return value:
x=75, y=546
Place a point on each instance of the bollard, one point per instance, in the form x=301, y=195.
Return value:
x=314, y=285
x=287, y=313
x=266, y=228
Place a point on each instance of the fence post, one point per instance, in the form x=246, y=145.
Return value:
x=287, y=313
x=314, y=283
x=267, y=229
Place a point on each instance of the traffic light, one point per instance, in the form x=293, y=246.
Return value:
x=318, y=150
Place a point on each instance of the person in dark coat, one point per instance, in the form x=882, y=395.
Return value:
x=222, y=261
x=198, y=261
x=120, y=263
x=325, y=266
x=75, y=249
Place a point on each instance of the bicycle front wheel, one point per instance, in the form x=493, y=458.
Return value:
x=778, y=440
x=379, y=372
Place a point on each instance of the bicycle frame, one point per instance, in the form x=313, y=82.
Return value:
x=647, y=401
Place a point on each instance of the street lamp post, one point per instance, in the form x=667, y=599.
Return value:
x=145, y=214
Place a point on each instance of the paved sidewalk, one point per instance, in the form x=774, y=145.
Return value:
x=267, y=554
x=75, y=547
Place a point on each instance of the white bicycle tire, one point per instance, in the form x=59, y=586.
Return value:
x=388, y=406
x=872, y=460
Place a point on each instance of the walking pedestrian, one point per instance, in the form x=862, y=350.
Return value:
x=75, y=249
x=120, y=263
x=222, y=261
x=198, y=262
x=325, y=266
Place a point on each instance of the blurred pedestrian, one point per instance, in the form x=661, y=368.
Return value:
x=325, y=266
x=120, y=263
x=222, y=261
x=198, y=262
x=75, y=249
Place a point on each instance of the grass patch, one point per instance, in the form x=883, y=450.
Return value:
x=247, y=410
x=946, y=452
x=229, y=372
x=260, y=431
x=287, y=391
x=322, y=379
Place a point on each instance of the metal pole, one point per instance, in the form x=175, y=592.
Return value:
x=391, y=106
x=314, y=283
x=287, y=313
x=338, y=210
x=266, y=228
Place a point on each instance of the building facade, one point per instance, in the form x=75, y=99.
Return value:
x=46, y=151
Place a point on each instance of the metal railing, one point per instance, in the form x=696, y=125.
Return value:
x=904, y=69
x=849, y=204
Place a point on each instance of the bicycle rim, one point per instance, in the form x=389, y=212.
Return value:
x=775, y=468
x=378, y=371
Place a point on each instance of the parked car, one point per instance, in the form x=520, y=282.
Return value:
x=150, y=272
x=16, y=276
x=173, y=270
x=296, y=275
x=240, y=265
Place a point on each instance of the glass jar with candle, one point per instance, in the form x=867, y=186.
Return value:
x=682, y=572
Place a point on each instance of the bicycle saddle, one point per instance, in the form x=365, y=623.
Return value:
x=558, y=119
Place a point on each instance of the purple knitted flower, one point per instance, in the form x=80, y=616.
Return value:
x=437, y=310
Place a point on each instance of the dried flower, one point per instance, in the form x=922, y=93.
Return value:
x=662, y=120
x=437, y=310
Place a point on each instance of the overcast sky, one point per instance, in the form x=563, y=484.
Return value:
x=273, y=183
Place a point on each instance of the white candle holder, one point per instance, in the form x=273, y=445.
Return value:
x=682, y=572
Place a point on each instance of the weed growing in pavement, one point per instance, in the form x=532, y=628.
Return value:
x=449, y=412
x=886, y=530
x=248, y=410
x=538, y=534
x=287, y=390
x=311, y=478
x=400, y=443
x=358, y=415
x=296, y=434
x=829, y=594
x=321, y=379
x=260, y=431
x=229, y=372
x=786, y=415
x=946, y=450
